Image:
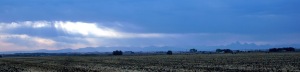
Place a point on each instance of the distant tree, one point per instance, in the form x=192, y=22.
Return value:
x=218, y=50
x=169, y=52
x=227, y=51
x=273, y=50
x=117, y=52
x=0, y=56
x=224, y=51
x=290, y=49
x=285, y=49
x=193, y=50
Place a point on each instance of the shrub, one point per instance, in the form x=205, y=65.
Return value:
x=117, y=52
x=169, y=52
x=193, y=50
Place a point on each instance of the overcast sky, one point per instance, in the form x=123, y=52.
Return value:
x=59, y=24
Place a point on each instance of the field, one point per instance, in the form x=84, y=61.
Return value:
x=247, y=62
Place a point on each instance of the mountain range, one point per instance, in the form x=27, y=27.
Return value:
x=233, y=46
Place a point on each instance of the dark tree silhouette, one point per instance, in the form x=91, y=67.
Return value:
x=193, y=50
x=218, y=50
x=0, y=56
x=273, y=50
x=224, y=51
x=284, y=49
x=227, y=51
x=290, y=49
x=169, y=52
x=117, y=52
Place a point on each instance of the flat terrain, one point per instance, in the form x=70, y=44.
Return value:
x=199, y=62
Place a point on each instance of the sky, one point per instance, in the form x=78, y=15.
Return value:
x=59, y=24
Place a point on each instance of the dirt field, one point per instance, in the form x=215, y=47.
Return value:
x=253, y=62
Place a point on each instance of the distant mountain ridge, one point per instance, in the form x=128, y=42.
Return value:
x=233, y=46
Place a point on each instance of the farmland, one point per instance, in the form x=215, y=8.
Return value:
x=179, y=63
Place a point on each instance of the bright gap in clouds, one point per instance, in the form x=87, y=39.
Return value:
x=94, y=30
x=86, y=29
x=78, y=28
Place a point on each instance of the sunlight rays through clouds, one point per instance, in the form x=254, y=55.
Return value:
x=83, y=33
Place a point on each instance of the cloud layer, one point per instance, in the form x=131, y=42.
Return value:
x=63, y=34
x=78, y=28
x=53, y=35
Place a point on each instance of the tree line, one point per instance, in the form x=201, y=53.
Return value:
x=284, y=49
